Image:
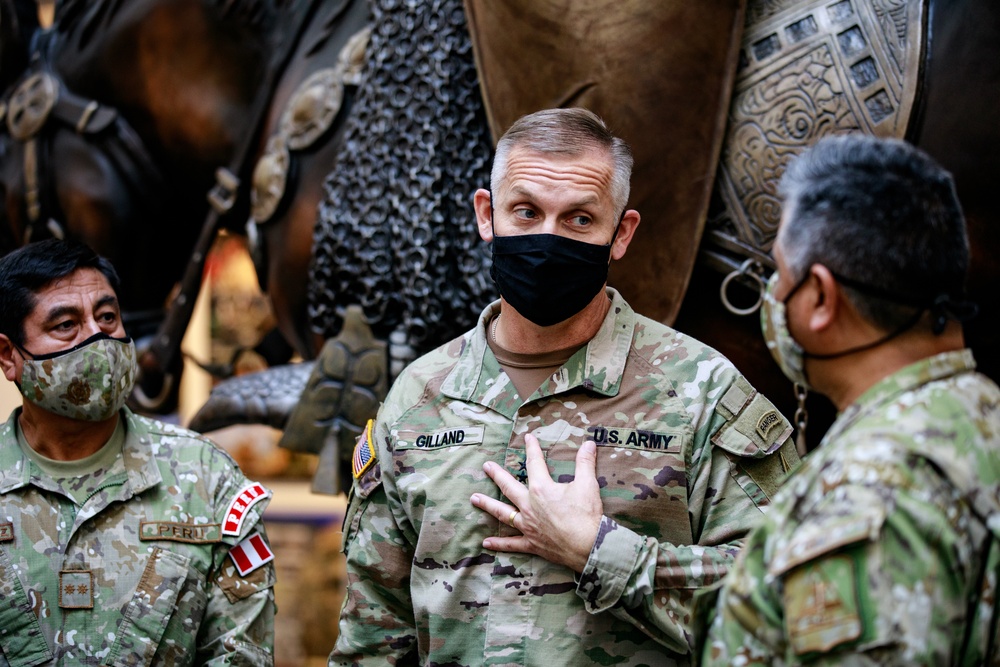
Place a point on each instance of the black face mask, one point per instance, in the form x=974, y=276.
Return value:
x=548, y=278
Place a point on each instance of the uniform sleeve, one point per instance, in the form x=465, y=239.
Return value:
x=239, y=618
x=870, y=576
x=377, y=624
x=238, y=626
x=652, y=584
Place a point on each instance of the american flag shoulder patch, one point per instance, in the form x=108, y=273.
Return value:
x=364, y=451
x=250, y=554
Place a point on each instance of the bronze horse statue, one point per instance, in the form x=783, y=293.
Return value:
x=714, y=114
x=137, y=126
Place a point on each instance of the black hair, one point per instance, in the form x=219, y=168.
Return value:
x=27, y=270
x=884, y=215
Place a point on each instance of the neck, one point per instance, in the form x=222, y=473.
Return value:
x=846, y=379
x=60, y=438
x=518, y=334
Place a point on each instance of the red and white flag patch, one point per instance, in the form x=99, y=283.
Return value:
x=248, y=496
x=251, y=554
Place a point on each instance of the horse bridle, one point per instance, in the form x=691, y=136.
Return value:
x=40, y=98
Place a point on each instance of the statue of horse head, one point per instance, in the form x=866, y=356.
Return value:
x=134, y=127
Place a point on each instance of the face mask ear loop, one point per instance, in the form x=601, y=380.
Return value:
x=801, y=419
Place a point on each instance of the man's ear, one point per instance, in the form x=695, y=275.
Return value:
x=484, y=213
x=626, y=230
x=7, y=362
x=827, y=299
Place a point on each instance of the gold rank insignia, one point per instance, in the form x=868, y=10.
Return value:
x=364, y=451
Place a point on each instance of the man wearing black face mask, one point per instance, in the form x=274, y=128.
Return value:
x=551, y=488
x=122, y=540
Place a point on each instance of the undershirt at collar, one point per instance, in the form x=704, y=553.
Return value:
x=103, y=458
x=528, y=371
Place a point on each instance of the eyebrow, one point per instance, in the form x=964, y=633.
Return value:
x=521, y=192
x=62, y=311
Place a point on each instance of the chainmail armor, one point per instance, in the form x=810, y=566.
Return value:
x=396, y=230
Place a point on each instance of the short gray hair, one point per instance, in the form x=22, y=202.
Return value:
x=566, y=132
x=881, y=213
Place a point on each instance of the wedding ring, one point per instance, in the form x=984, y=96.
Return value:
x=513, y=515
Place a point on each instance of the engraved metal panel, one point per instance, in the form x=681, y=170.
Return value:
x=808, y=69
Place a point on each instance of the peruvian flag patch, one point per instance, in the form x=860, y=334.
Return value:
x=250, y=554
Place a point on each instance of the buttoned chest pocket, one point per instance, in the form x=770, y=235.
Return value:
x=642, y=477
x=438, y=469
x=150, y=609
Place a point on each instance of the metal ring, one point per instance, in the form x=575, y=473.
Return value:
x=750, y=268
x=513, y=515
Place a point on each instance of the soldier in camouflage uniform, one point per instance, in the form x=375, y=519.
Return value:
x=882, y=549
x=551, y=487
x=123, y=541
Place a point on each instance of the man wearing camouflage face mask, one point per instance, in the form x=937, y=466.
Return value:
x=882, y=549
x=122, y=540
x=550, y=488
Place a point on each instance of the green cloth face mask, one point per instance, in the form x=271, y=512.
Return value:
x=89, y=382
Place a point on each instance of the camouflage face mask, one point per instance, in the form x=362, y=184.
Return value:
x=786, y=351
x=89, y=382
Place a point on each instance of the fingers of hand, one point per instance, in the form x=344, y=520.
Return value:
x=586, y=461
x=503, y=512
x=508, y=486
x=538, y=470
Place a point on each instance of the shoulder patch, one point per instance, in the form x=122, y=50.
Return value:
x=822, y=605
x=6, y=532
x=249, y=495
x=364, y=452
x=250, y=554
x=754, y=427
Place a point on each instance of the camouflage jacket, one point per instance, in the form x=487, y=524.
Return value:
x=882, y=548
x=684, y=449
x=141, y=573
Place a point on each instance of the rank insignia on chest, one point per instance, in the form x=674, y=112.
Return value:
x=248, y=496
x=76, y=589
x=251, y=554
x=6, y=532
x=364, y=452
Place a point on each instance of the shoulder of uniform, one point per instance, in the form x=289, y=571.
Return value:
x=142, y=426
x=755, y=435
x=851, y=516
x=676, y=353
x=753, y=427
x=365, y=468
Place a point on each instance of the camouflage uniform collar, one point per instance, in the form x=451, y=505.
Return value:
x=959, y=466
x=598, y=366
x=137, y=456
x=15, y=470
x=906, y=379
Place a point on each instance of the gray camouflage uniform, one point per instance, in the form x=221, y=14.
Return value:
x=686, y=450
x=881, y=549
x=141, y=573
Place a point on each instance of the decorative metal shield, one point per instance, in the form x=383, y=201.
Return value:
x=808, y=69
x=659, y=73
